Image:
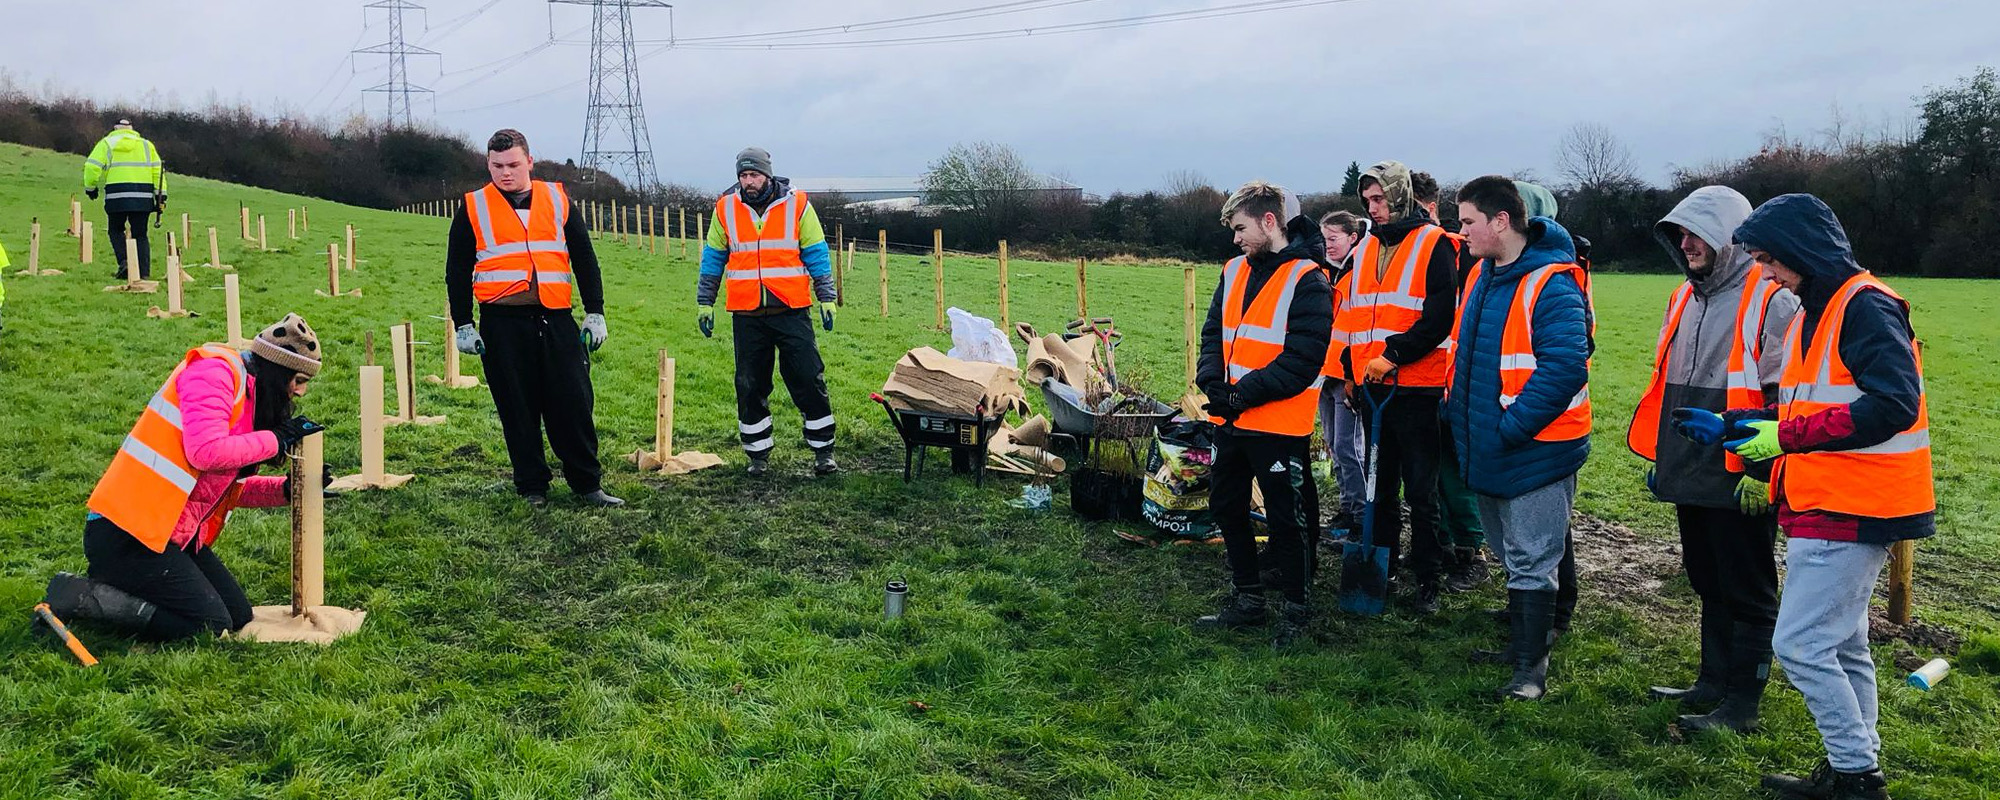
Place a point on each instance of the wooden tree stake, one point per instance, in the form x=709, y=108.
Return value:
x=243, y=216
x=291, y=223
x=35, y=249
x=402, y=352
x=75, y=217
x=663, y=423
x=1082, y=300
x=1902, y=578
x=1006, y=321
x=1190, y=327
x=882, y=266
x=937, y=259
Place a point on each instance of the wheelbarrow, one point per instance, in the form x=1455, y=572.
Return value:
x=964, y=435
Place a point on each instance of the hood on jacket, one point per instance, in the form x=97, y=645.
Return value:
x=1548, y=243
x=1711, y=213
x=1803, y=234
x=1395, y=180
x=1540, y=201
x=1306, y=240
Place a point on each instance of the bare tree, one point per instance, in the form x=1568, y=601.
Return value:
x=987, y=181
x=1591, y=157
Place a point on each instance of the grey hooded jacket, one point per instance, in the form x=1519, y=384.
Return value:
x=1698, y=358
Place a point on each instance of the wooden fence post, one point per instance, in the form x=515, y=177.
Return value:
x=882, y=265
x=1082, y=299
x=937, y=259
x=1190, y=326
x=663, y=421
x=291, y=223
x=1902, y=574
x=1006, y=321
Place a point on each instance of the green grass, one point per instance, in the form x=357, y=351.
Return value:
x=721, y=637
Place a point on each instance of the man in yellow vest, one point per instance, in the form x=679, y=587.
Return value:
x=517, y=246
x=1263, y=350
x=766, y=253
x=1721, y=346
x=1850, y=434
x=128, y=171
x=1518, y=406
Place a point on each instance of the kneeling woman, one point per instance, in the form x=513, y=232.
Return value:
x=191, y=458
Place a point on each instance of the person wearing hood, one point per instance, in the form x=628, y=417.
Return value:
x=1849, y=444
x=767, y=254
x=1263, y=349
x=1519, y=407
x=1342, y=231
x=518, y=246
x=1721, y=346
x=1400, y=303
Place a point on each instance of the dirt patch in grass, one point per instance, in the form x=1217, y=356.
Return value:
x=1616, y=562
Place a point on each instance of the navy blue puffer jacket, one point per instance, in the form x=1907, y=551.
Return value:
x=1497, y=452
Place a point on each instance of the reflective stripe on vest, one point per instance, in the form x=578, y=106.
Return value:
x=1374, y=310
x=764, y=253
x=1744, y=386
x=512, y=255
x=1517, y=349
x=1886, y=480
x=149, y=481
x=1254, y=337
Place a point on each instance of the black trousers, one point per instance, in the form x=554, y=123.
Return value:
x=539, y=372
x=784, y=340
x=1406, y=470
x=118, y=225
x=1281, y=467
x=1730, y=562
x=194, y=592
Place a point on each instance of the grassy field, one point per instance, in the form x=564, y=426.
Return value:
x=721, y=637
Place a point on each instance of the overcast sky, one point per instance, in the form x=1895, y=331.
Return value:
x=1456, y=87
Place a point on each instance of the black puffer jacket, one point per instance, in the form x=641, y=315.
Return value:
x=1307, y=331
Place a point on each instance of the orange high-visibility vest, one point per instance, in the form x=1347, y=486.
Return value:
x=149, y=481
x=764, y=252
x=1378, y=309
x=1745, y=390
x=510, y=251
x=1253, y=337
x=1891, y=479
x=1517, y=348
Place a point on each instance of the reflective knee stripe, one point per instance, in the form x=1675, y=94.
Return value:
x=758, y=446
x=754, y=428
x=822, y=422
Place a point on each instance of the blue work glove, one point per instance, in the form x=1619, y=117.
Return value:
x=826, y=315
x=704, y=316
x=1698, y=425
x=1753, y=497
x=1653, y=479
x=594, y=331
x=1757, y=440
x=292, y=430
x=469, y=341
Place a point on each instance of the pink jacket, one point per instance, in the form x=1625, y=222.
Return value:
x=219, y=451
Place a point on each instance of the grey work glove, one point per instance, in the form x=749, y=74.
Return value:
x=594, y=331
x=469, y=342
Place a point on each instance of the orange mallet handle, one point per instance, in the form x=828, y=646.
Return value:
x=74, y=644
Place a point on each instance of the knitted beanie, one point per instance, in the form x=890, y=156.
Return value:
x=754, y=158
x=291, y=344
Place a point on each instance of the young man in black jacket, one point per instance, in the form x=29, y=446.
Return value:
x=1262, y=353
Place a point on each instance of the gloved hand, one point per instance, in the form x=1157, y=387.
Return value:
x=325, y=480
x=160, y=199
x=90, y=193
x=1753, y=497
x=1653, y=479
x=1756, y=440
x=1220, y=403
x=594, y=331
x=1698, y=425
x=704, y=316
x=469, y=341
x=292, y=430
x=826, y=315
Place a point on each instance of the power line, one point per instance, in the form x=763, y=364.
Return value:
x=450, y=26
x=1260, y=6
x=897, y=22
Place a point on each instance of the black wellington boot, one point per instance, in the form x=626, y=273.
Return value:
x=73, y=597
x=1243, y=608
x=1749, y=671
x=1534, y=633
x=1716, y=633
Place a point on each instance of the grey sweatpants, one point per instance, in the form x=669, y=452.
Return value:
x=1343, y=431
x=1529, y=533
x=1822, y=642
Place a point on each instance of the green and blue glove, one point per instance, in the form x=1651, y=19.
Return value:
x=1756, y=440
x=826, y=315
x=704, y=318
x=1698, y=425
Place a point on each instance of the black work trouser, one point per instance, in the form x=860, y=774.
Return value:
x=1281, y=467
x=539, y=372
x=1406, y=469
x=192, y=590
x=118, y=225
x=784, y=340
x=1730, y=561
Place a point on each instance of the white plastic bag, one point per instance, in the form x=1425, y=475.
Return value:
x=976, y=338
